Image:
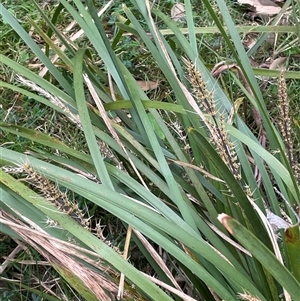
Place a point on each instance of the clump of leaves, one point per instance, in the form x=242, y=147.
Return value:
x=181, y=210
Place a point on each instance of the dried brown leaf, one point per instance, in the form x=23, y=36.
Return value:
x=147, y=85
x=278, y=63
x=178, y=12
x=262, y=7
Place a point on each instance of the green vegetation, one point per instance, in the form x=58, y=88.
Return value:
x=146, y=158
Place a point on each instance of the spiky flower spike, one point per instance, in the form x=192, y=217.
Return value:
x=52, y=194
x=285, y=123
x=58, y=198
x=215, y=121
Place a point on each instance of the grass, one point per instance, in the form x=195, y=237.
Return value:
x=170, y=166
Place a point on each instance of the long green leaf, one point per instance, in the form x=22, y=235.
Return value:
x=86, y=122
x=117, y=203
x=37, y=80
x=86, y=237
x=263, y=255
x=276, y=165
x=8, y=17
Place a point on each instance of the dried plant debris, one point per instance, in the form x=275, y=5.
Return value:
x=262, y=7
x=63, y=256
x=51, y=192
x=178, y=12
x=148, y=85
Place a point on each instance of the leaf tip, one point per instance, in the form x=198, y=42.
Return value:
x=223, y=218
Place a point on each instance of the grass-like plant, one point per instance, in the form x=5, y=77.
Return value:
x=186, y=176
